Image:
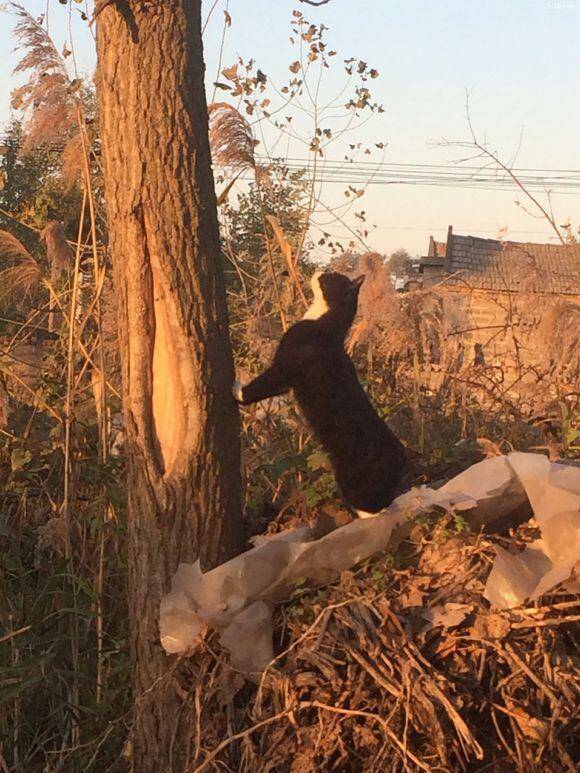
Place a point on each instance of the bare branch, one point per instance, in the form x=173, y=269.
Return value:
x=484, y=152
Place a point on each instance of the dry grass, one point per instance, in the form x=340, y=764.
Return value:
x=231, y=139
x=48, y=95
x=22, y=273
x=559, y=334
x=72, y=161
x=363, y=683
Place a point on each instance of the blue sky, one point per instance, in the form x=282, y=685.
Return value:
x=518, y=58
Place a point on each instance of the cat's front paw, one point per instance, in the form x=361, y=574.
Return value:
x=238, y=391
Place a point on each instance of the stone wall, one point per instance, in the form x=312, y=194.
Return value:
x=507, y=328
x=520, y=344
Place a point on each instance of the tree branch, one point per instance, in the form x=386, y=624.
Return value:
x=484, y=152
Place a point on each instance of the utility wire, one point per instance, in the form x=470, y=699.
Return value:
x=360, y=174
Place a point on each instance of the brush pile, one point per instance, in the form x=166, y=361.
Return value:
x=402, y=666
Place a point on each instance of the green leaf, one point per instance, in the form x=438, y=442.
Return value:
x=312, y=496
x=278, y=468
x=319, y=461
x=461, y=524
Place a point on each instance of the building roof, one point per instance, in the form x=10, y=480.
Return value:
x=488, y=264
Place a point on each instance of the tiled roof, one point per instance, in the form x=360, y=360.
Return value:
x=488, y=264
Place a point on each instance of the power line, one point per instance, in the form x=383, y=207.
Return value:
x=464, y=184
x=456, y=165
x=419, y=171
x=456, y=176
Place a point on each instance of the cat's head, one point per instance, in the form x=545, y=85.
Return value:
x=333, y=292
x=336, y=289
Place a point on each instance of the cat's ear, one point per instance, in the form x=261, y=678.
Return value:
x=356, y=283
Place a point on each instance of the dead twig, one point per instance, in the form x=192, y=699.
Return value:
x=236, y=737
x=376, y=718
x=549, y=621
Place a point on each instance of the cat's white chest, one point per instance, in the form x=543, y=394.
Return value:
x=319, y=306
x=316, y=309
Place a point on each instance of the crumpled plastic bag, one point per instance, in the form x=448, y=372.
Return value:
x=268, y=572
x=553, y=491
x=482, y=485
x=237, y=597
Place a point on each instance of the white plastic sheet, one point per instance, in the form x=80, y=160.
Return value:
x=554, y=494
x=237, y=597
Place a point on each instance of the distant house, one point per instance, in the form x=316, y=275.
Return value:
x=495, y=296
x=488, y=264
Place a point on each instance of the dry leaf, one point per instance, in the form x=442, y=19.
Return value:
x=286, y=250
x=230, y=73
x=3, y=408
x=412, y=597
x=446, y=615
x=532, y=727
x=490, y=625
x=285, y=247
x=445, y=557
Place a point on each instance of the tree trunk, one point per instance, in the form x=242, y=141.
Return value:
x=181, y=424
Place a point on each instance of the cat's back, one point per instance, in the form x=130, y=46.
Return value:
x=307, y=343
x=326, y=384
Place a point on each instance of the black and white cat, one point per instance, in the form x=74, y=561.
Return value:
x=368, y=460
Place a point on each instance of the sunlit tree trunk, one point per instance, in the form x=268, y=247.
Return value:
x=181, y=424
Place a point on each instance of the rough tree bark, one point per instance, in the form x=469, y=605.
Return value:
x=181, y=425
